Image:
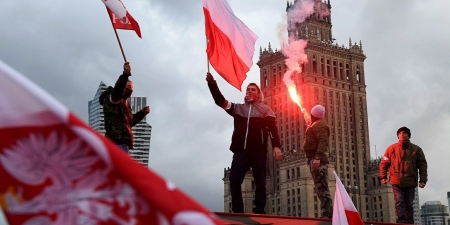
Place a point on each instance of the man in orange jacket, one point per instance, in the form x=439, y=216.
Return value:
x=404, y=161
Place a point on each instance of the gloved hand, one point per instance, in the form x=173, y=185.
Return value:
x=127, y=68
x=383, y=181
x=315, y=163
x=210, y=78
x=146, y=110
x=421, y=184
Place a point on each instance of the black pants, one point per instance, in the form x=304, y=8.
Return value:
x=242, y=162
x=404, y=198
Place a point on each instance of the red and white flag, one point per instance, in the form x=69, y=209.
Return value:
x=344, y=212
x=120, y=17
x=231, y=43
x=54, y=169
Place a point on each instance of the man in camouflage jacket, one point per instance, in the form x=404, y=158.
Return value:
x=406, y=164
x=315, y=146
x=117, y=111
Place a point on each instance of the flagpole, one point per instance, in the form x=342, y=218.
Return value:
x=207, y=59
x=117, y=36
x=120, y=44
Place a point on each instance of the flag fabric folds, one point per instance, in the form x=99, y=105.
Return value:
x=344, y=212
x=54, y=169
x=120, y=17
x=231, y=43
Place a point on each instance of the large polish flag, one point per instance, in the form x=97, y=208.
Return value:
x=54, y=169
x=120, y=18
x=231, y=43
x=344, y=212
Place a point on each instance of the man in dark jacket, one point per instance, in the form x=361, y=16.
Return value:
x=315, y=146
x=253, y=123
x=117, y=111
x=404, y=161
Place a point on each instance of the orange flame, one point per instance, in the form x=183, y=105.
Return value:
x=293, y=94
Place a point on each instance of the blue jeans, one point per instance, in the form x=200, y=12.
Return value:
x=242, y=162
x=404, y=198
x=124, y=147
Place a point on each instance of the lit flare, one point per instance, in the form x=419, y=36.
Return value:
x=293, y=93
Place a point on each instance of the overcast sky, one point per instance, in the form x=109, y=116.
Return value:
x=68, y=47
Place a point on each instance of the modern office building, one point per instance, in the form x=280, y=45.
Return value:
x=334, y=77
x=416, y=207
x=95, y=110
x=434, y=213
x=142, y=130
x=448, y=199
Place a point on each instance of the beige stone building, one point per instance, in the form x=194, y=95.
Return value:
x=334, y=77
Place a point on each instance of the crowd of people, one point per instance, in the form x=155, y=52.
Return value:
x=404, y=165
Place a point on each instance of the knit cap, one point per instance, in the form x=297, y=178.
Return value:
x=318, y=111
x=404, y=129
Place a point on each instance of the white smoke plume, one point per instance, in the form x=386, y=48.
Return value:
x=295, y=53
x=295, y=50
x=298, y=13
x=282, y=31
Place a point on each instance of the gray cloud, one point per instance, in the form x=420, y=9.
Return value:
x=67, y=49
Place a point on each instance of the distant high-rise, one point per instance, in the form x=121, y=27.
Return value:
x=434, y=213
x=95, y=110
x=142, y=130
x=448, y=198
x=416, y=207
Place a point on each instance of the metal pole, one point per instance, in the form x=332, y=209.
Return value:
x=207, y=59
x=117, y=36
x=120, y=44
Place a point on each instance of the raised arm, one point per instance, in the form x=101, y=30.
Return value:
x=121, y=83
x=217, y=95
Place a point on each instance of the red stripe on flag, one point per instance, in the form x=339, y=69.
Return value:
x=353, y=218
x=54, y=169
x=117, y=24
x=222, y=55
x=134, y=24
x=130, y=25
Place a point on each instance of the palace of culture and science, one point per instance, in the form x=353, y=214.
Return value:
x=334, y=77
